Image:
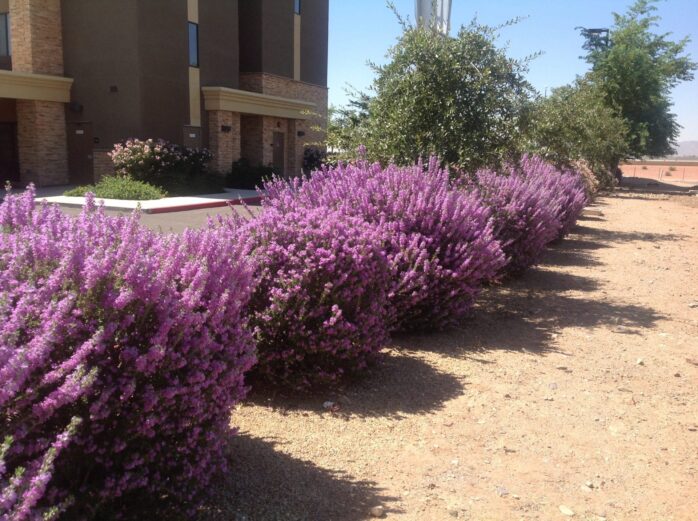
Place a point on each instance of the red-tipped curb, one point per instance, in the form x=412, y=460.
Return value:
x=203, y=206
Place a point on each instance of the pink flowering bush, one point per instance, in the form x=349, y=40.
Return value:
x=152, y=160
x=121, y=354
x=439, y=242
x=319, y=299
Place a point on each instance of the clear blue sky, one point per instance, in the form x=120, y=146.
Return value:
x=362, y=30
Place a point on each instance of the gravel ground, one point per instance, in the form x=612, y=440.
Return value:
x=570, y=392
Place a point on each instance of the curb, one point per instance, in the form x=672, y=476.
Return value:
x=201, y=206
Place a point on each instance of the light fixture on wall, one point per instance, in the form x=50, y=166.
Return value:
x=226, y=128
x=300, y=133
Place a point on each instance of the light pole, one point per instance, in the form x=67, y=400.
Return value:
x=434, y=12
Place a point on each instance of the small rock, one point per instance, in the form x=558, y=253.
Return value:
x=693, y=305
x=453, y=512
x=585, y=488
x=502, y=491
x=516, y=496
x=549, y=399
x=552, y=386
x=328, y=405
x=455, y=462
x=677, y=375
x=566, y=510
x=640, y=361
x=562, y=368
x=378, y=511
x=589, y=484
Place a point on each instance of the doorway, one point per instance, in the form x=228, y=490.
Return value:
x=279, y=160
x=9, y=158
x=80, y=153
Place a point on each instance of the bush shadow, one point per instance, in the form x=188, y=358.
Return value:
x=527, y=313
x=399, y=384
x=264, y=483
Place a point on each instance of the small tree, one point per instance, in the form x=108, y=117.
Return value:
x=637, y=70
x=574, y=124
x=461, y=98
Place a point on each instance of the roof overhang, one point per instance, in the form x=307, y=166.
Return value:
x=37, y=87
x=245, y=102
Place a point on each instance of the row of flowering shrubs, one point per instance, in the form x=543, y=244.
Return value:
x=122, y=351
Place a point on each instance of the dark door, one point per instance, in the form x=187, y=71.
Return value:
x=279, y=163
x=9, y=160
x=80, y=159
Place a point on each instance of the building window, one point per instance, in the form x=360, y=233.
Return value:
x=5, y=34
x=193, y=44
x=297, y=6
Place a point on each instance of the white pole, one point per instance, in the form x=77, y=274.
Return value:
x=436, y=12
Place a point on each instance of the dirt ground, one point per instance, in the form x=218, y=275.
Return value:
x=570, y=393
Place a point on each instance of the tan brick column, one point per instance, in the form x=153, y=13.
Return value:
x=224, y=139
x=37, y=47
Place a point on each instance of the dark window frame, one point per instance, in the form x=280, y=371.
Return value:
x=193, y=52
x=297, y=6
x=7, y=44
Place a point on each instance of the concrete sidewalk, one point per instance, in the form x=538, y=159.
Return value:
x=166, y=205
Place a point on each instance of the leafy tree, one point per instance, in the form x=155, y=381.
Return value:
x=574, y=123
x=460, y=97
x=346, y=127
x=637, y=70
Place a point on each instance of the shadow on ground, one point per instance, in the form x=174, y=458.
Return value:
x=266, y=484
x=398, y=384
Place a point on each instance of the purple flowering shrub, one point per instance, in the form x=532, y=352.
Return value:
x=121, y=354
x=439, y=242
x=533, y=203
x=524, y=223
x=565, y=189
x=319, y=299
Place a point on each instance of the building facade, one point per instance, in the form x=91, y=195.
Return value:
x=244, y=78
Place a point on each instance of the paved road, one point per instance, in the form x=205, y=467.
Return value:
x=175, y=221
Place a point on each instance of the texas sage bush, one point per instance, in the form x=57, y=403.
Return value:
x=121, y=354
x=524, y=223
x=533, y=203
x=318, y=306
x=439, y=242
x=565, y=189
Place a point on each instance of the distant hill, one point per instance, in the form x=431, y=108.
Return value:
x=687, y=149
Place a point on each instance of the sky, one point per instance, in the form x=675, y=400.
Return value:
x=363, y=30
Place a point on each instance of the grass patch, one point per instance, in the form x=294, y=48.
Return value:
x=117, y=187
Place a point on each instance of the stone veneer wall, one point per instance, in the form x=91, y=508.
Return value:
x=37, y=47
x=41, y=142
x=274, y=85
x=37, y=37
x=225, y=146
x=103, y=165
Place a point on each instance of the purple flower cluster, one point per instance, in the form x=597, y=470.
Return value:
x=532, y=203
x=319, y=301
x=121, y=354
x=439, y=242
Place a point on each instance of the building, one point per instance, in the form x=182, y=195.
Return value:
x=244, y=78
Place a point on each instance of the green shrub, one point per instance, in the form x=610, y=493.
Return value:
x=120, y=187
x=244, y=175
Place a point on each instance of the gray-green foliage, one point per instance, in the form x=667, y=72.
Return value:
x=460, y=97
x=574, y=123
x=637, y=70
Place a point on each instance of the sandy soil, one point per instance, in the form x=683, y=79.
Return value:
x=570, y=389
